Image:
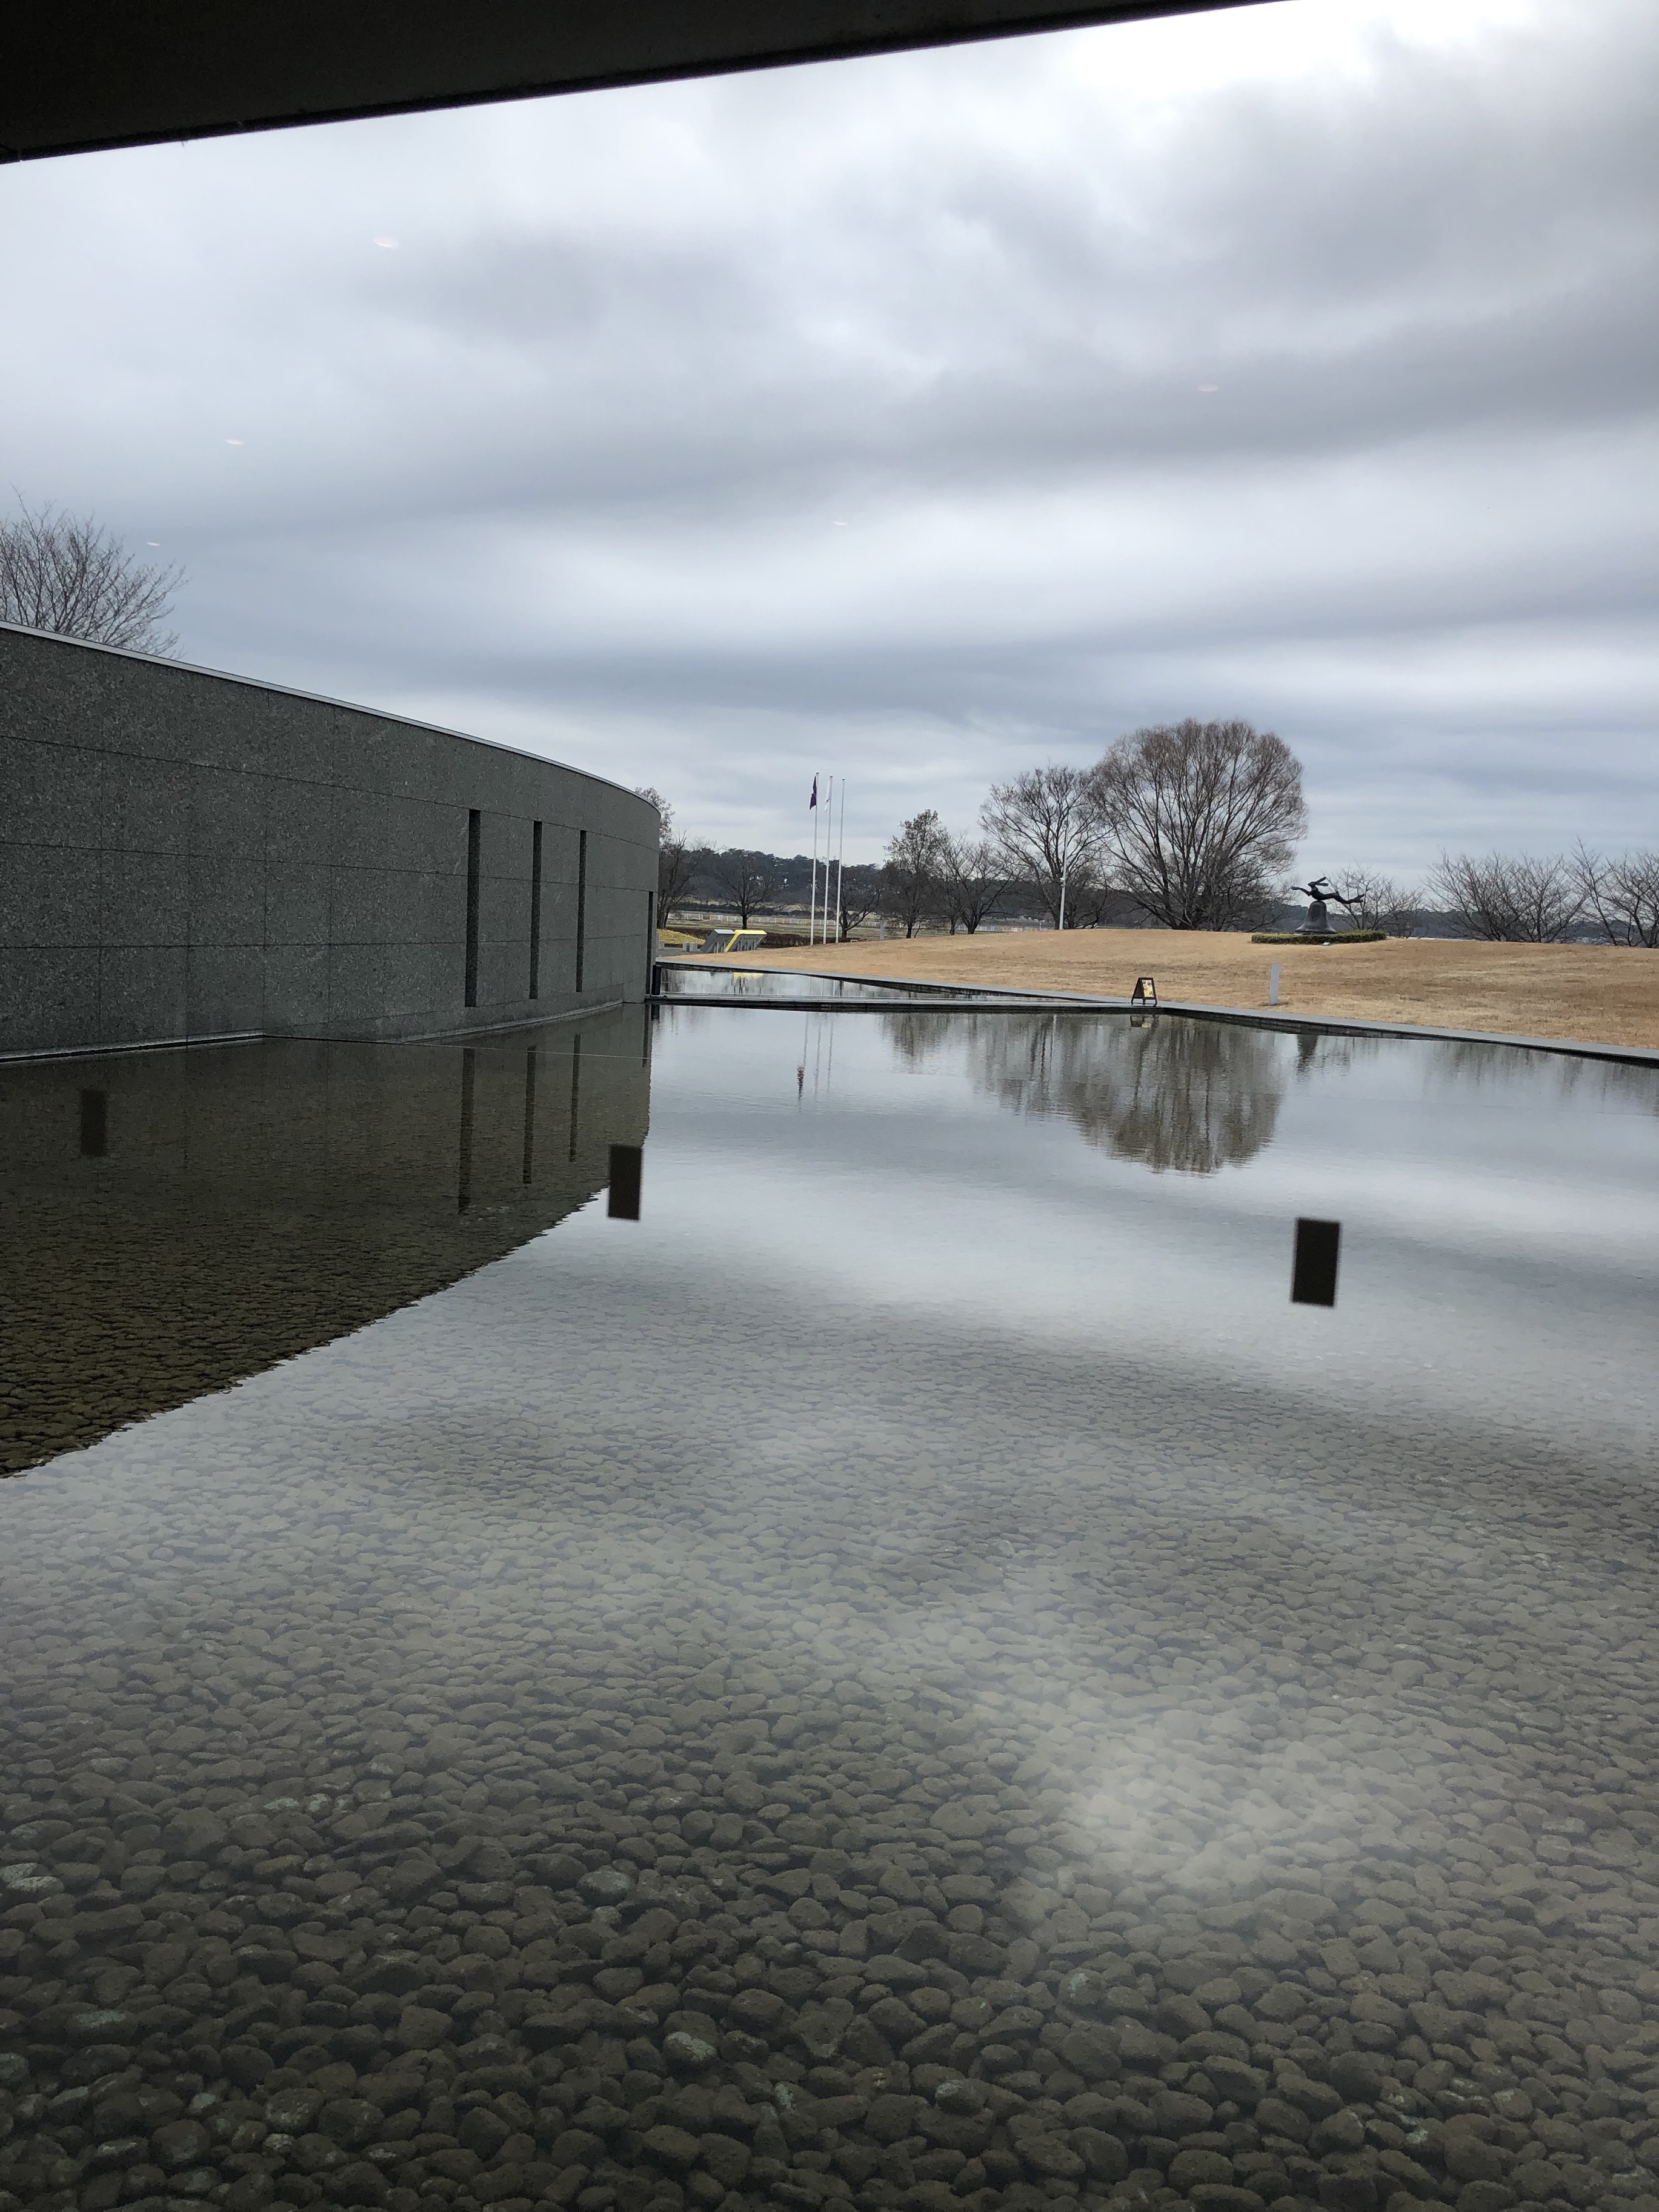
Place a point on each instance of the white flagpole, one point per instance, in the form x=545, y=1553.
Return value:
x=840, y=858
x=812, y=909
x=829, y=834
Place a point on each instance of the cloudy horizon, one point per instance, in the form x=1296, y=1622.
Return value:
x=921, y=418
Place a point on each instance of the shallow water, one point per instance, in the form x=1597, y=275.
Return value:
x=746, y=986
x=913, y=1675
x=171, y=1222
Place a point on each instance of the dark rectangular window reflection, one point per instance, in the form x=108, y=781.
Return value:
x=575, y=1089
x=463, y=1181
x=1313, y=1277
x=474, y=842
x=535, y=913
x=530, y=1111
x=627, y=1164
x=95, y=1123
x=581, y=903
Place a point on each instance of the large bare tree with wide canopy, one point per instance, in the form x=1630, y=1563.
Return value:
x=1200, y=817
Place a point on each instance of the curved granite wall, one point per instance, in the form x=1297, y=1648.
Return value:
x=184, y=854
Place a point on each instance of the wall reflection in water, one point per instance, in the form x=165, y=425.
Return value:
x=172, y=1222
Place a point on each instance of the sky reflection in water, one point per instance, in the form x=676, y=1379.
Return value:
x=920, y=1613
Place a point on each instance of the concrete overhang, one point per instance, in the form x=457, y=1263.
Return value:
x=78, y=75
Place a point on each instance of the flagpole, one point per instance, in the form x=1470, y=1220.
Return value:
x=812, y=908
x=841, y=859
x=828, y=835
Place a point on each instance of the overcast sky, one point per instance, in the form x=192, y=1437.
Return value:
x=921, y=418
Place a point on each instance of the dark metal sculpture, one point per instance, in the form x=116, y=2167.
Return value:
x=1319, y=891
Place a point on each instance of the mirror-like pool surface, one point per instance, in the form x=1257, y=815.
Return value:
x=171, y=1222
x=911, y=1677
x=746, y=986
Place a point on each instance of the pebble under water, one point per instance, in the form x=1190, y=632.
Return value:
x=910, y=1678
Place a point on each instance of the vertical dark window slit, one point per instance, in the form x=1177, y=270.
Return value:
x=474, y=840
x=581, y=903
x=575, y=1089
x=535, y=913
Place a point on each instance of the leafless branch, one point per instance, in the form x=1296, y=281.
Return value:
x=68, y=575
x=911, y=879
x=747, y=879
x=1379, y=903
x=1623, y=895
x=861, y=887
x=673, y=856
x=1508, y=898
x=1046, y=830
x=1200, y=817
x=971, y=881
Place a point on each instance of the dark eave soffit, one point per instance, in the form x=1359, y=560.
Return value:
x=79, y=76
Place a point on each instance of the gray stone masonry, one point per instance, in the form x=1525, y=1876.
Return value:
x=184, y=854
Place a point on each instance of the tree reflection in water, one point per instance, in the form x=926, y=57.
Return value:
x=1191, y=1096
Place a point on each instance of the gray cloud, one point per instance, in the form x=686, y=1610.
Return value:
x=853, y=416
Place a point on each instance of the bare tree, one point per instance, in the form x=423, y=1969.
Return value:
x=673, y=877
x=68, y=575
x=861, y=890
x=1623, y=895
x=1091, y=897
x=971, y=881
x=673, y=856
x=1378, y=903
x=1046, y=831
x=1200, y=817
x=747, y=880
x=1508, y=898
x=911, y=878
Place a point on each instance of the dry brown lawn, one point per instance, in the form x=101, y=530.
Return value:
x=1583, y=993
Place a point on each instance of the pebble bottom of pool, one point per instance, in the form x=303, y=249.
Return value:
x=912, y=1676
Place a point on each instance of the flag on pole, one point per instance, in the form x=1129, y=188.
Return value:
x=813, y=800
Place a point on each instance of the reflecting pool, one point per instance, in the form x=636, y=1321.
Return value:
x=171, y=1222
x=745, y=986
x=911, y=1676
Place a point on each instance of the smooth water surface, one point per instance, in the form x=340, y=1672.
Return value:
x=911, y=1675
x=171, y=1222
x=748, y=986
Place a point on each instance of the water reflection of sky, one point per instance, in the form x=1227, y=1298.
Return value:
x=1500, y=1209
x=943, y=1424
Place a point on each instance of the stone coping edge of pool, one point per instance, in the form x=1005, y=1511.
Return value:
x=1341, y=1025
x=941, y=1005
